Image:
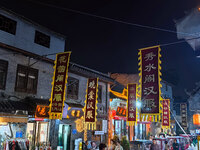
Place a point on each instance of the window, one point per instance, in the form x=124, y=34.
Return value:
x=7, y=25
x=26, y=79
x=166, y=87
x=99, y=94
x=72, y=88
x=3, y=73
x=42, y=39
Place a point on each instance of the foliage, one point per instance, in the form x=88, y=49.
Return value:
x=125, y=143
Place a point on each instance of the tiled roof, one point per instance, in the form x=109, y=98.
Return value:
x=28, y=104
x=124, y=79
x=9, y=106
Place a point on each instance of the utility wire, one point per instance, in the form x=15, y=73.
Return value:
x=115, y=20
x=45, y=55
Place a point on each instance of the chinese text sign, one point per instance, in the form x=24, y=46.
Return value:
x=150, y=79
x=59, y=85
x=166, y=113
x=131, y=103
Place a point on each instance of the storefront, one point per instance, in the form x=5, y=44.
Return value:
x=118, y=117
x=12, y=129
x=38, y=132
x=71, y=126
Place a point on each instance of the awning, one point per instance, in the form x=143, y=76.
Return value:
x=74, y=105
x=24, y=106
x=4, y=118
x=119, y=118
x=8, y=106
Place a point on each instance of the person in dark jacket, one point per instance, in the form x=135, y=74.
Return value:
x=102, y=146
x=154, y=146
x=175, y=145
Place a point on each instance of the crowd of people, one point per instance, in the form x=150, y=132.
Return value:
x=174, y=144
x=115, y=145
x=170, y=144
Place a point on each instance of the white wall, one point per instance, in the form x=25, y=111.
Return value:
x=25, y=34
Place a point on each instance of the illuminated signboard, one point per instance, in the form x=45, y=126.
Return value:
x=42, y=111
x=75, y=112
x=121, y=111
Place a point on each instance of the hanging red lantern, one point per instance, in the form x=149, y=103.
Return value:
x=196, y=119
x=113, y=113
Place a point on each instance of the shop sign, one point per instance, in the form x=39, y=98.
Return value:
x=74, y=131
x=166, y=113
x=131, y=114
x=150, y=88
x=42, y=111
x=183, y=108
x=99, y=133
x=90, y=109
x=121, y=111
x=59, y=85
x=79, y=124
x=105, y=125
x=74, y=112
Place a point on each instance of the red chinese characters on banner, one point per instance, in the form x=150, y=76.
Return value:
x=59, y=85
x=166, y=113
x=150, y=80
x=131, y=103
x=91, y=100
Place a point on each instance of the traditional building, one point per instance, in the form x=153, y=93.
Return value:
x=194, y=109
x=26, y=70
x=119, y=98
x=188, y=28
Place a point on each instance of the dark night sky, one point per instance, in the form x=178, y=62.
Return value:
x=113, y=47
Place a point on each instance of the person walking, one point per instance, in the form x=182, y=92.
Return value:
x=166, y=145
x=118, y=146
x=112, y=145
x=175, y=145
x=102, y=146
x=154, y=146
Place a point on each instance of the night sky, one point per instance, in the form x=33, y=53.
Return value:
x=108, y=46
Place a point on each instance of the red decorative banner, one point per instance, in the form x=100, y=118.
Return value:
x=131, y=114
x=59, y=85
x=166, y=113
x=150, y=81
x=90, y=109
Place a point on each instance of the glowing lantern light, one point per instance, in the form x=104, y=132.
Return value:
x=113, y=113
x=196, y=119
